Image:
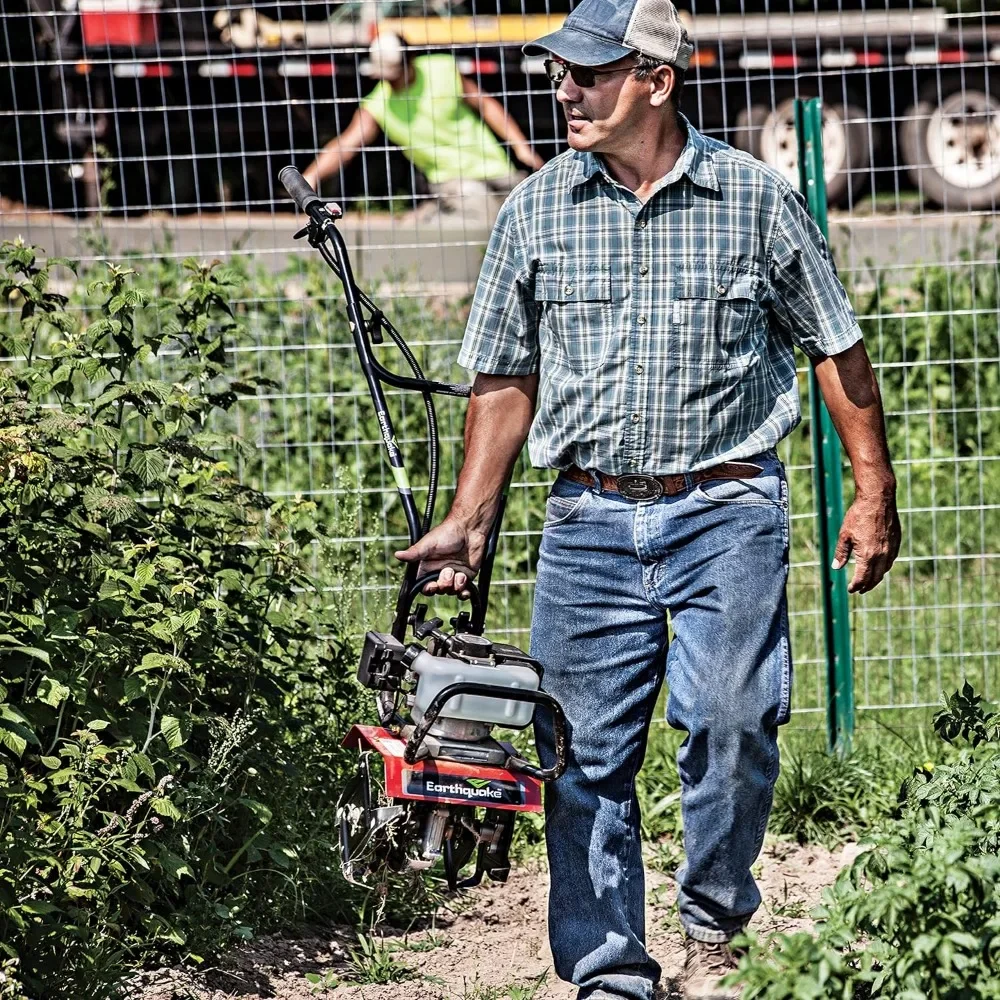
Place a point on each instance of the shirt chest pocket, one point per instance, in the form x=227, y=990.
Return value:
x=717, y=320
x=576, y=316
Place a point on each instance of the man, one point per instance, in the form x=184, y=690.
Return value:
x=645, y=289
x=436, y=116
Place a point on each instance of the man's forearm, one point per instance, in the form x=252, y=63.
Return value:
x=499, y=417
x=360, y=132
x=328, y=162
x=502, y=124
x=851, y=393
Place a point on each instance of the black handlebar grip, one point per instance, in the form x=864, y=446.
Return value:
x=298, y=187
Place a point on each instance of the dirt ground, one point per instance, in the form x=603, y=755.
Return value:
x=493, y=945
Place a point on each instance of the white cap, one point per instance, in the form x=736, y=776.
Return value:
x=385, y=56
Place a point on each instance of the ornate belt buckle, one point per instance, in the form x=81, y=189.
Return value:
x=636, y=487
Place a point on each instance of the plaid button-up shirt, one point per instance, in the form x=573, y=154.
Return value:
x=662, y=332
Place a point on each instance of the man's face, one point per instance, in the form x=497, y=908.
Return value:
x=601, y=116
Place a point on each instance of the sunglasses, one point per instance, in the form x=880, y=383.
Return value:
x=582, y=76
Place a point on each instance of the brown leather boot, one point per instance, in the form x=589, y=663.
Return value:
x=705, y=964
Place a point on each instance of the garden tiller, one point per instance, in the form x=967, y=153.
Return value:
x=432, y=784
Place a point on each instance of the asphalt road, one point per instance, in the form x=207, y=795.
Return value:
x=444, y=251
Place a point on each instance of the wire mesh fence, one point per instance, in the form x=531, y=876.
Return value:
x=157, y=129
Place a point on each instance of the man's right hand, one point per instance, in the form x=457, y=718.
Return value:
x=453, y=547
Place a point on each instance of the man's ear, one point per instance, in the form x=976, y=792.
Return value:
x=661, y=85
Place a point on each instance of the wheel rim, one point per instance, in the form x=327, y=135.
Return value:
x=963, y=140
x=779, y=146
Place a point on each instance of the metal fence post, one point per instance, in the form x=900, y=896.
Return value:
x=827, y=464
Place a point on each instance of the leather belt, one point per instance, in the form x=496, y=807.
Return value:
x=637, y=487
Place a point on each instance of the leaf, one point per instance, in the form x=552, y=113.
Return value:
x=174, y=866
x=145, y=573
x=170, y=727
x=38, y=654
x=144, y=764
x=31, y=621
x=117, y=508
x=98, y=724
x=14, y=742
x=111, y=436
x=190, y=619
x=154, y=387
x=92, y=497
x=148, y=465
x=52, y=692
x=51, y=762
x=15, y=716
x=261, y=811
x=64, y=373
x=166, y=808
x=153, y=661
x=39, y=907
x=134, y=686
x=162, y=630
x=110, y=395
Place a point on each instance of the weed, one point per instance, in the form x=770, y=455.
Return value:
x=430, y=941
x=664, y=856
x=787, y=907
x=321, y=982
x=512, y=991
x=374, y=962
x=822, y=798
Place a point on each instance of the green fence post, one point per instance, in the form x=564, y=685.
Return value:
x=827, y=464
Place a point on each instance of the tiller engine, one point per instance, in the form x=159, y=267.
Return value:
x=432, y=784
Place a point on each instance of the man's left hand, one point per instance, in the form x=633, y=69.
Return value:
x=871, y=532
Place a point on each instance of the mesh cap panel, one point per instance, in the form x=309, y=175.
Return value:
x=656, y=30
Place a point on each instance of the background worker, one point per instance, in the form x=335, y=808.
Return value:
x=436, y=116
x=634, y=320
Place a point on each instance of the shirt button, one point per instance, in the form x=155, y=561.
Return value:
x=721, y=289
x=635, y=418
x=641, y=223
x=568, y=289
x=639, y=369
x=644, y=269
x=641, y=321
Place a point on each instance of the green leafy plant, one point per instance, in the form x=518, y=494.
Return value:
x=823, y=798
x=172, y=688
x=323, y=981
x=918, y=913
x=511, y=991
x=374, y=960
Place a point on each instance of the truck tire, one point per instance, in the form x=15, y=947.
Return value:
x=769, y=134
x=951, y=145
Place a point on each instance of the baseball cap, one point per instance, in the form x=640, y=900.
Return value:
x=603, y=31
x=385, y=56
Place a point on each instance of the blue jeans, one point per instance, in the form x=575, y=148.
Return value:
x=610, y=569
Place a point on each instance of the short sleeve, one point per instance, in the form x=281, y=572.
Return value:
x=374, y=103
x=455, y=77
x=807, y=298
x=501, y=337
